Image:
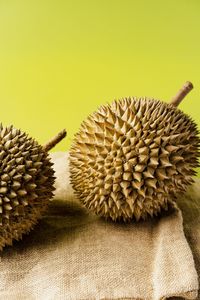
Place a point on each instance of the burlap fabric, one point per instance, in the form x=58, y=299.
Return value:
x=75, y=255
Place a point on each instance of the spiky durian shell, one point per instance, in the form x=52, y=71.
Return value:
x=131, y=158
x=26, y=184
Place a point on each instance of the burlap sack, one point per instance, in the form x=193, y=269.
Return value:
x=75, y=255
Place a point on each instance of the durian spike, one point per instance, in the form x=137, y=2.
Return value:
x=187, y=87
x=54, y=141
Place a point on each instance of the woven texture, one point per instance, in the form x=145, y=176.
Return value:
x=75, y=255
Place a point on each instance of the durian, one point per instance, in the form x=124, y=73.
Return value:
x=131, y=158
x=26, y=182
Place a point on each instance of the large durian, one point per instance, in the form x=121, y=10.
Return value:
x=132, y=157
x=26, y=182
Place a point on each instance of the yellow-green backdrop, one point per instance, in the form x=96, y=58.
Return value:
x=59, y=60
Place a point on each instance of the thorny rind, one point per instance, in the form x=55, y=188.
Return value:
x=131, y=158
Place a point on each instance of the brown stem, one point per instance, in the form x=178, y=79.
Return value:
x=54, y=141
x=187, y=87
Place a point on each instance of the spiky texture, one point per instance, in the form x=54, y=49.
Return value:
x=132, y=157
x=26, y=184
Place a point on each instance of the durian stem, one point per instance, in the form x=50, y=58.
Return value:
x=187, y=87
x=54, y=141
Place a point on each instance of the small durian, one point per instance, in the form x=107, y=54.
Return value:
x=26, y=182
x=131, y=158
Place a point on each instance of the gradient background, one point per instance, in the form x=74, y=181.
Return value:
x=59, y=60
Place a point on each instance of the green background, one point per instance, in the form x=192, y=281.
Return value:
x=59, y=60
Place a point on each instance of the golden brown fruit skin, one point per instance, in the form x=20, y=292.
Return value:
x=26, y=184
x=130, y=159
